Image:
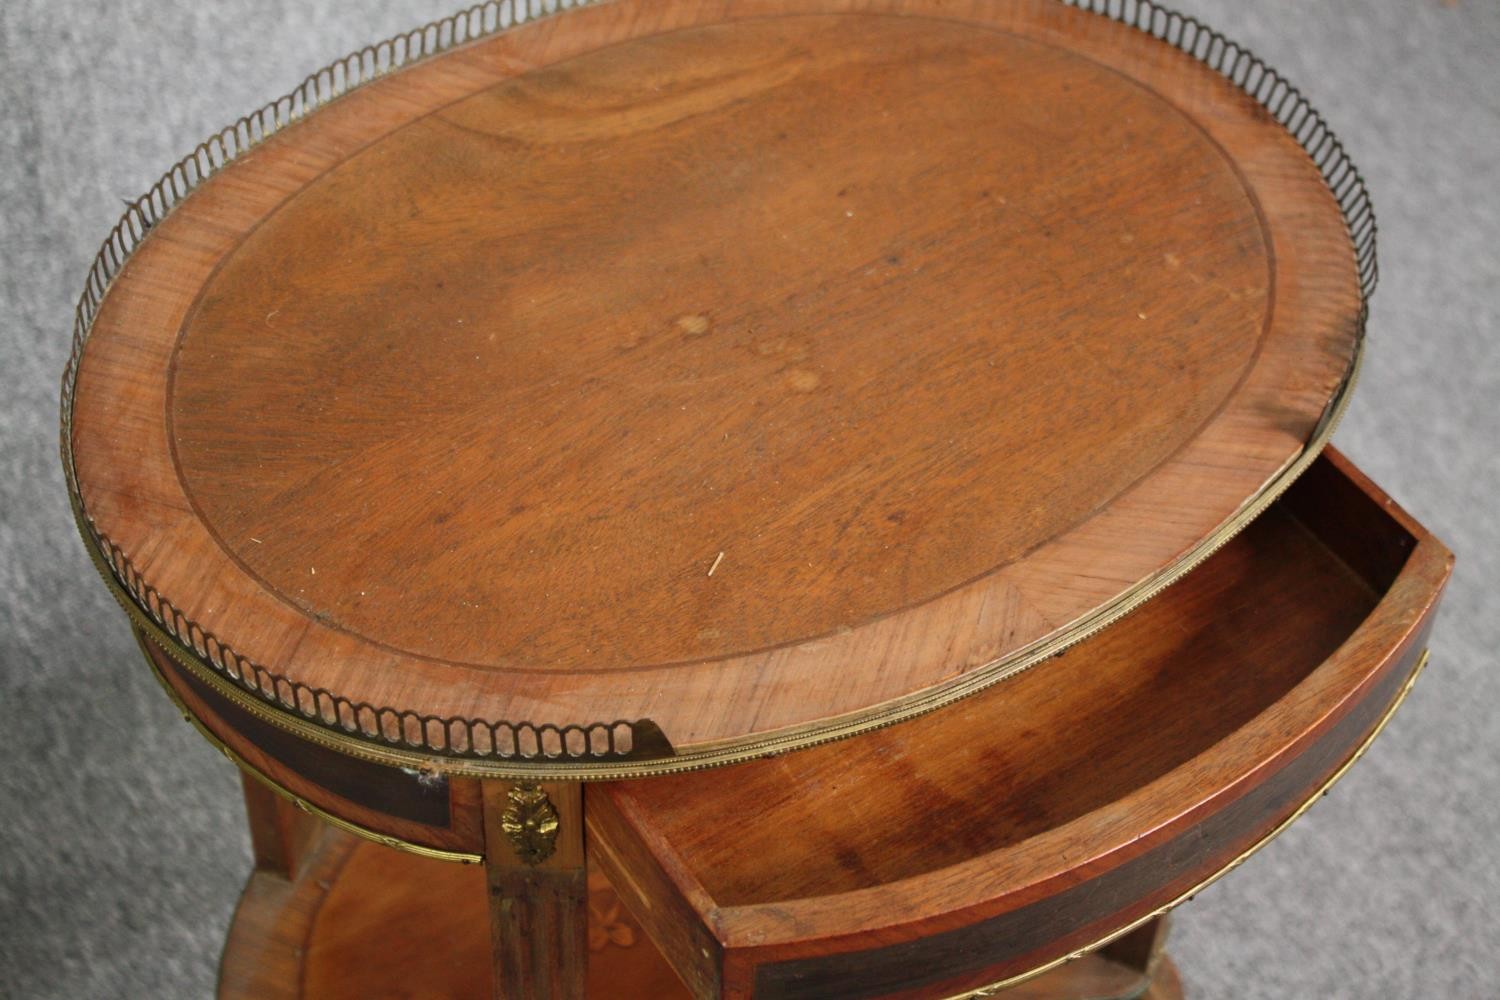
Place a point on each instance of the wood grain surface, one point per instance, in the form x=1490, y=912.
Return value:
x=794, y=315
x=1035, y=818
x=746, y=367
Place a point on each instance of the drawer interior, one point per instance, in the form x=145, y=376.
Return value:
x=1051, y=744
x=1071, y=755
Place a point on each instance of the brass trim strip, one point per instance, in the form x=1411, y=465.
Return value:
x=1284, y=102
x=385, y=839
x=999, y=987
x=715, y=755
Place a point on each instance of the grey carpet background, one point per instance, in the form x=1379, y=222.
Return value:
x=122, y=844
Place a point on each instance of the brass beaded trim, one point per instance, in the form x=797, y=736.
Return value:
x=283, y=714
x=603, y=749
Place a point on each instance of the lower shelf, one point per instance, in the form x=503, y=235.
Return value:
x=363, y=921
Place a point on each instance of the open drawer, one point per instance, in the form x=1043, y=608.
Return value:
x=1051, y=812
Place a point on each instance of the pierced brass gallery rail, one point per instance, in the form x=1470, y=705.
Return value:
x=608, y=749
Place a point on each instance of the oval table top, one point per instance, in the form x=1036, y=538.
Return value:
x=656, y=385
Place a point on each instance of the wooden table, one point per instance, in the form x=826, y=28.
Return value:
x=628, y=449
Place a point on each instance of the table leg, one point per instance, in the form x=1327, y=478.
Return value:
x=1143, y=948
x=538, y=889
x=281, y=835
x=1132, y=967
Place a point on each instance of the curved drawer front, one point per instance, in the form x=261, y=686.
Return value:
x=429, y=814
x=1043, y=816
